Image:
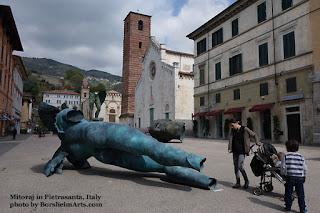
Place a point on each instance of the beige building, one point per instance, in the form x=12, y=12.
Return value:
x=165, y=88
x=26, y=111
x=259, y=60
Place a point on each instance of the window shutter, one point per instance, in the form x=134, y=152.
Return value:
x=218, y=71
x=292, y=45
x=221, y=35
x=230, y=66
x=240, y=63
x=214, y=40
x=198, y=48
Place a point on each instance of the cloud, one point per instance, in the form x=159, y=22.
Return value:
x=89, y=34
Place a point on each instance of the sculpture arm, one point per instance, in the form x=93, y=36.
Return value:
x=56, y=163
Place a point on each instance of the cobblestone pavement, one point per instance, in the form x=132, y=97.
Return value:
x=106, y=188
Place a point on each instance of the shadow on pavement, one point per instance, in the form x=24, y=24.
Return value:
x=137, y=177
x=315, y=159
x=266, y=203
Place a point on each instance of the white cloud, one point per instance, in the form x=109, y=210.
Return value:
x=89, y=34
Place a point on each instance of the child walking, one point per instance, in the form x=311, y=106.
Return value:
x=293, y=166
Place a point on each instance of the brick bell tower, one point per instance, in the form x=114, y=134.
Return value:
x=137, y=29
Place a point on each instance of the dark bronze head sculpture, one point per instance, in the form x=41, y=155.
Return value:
x=165, y=130
x=120, y=145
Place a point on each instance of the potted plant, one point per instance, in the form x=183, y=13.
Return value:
x=276, y=128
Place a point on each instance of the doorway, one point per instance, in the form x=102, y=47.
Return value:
x=266, y=124
x=293, y=123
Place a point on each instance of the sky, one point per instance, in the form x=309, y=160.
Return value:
x=89, y=33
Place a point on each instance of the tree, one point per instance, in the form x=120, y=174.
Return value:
x=76, y=82
x=67, y=86
x=30, y=85
x=99, y=88
x=71, y=72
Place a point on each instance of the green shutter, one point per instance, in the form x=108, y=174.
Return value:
x=263, y=54
x=218, y=71
x=240, y=63
x=214, y=40
x=198, y=48
x=230, y=66
x=262, y=13
x=289, y=45
x=292, y=44
x=221, y=35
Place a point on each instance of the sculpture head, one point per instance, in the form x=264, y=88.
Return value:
x=67, y=118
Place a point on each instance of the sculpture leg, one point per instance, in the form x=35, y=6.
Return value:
x=182, y=175
x=98, y=105
x=133, y=141
x=128, y=160
x=142, y=163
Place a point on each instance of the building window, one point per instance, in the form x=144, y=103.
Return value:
x=263, y=54
x=291, y=84
x=140, y=25
x=235, y=28
x=201, y=76
x=235, y=64
x=218, y=98
x=167, y=115
x=85, y=94
x=201, y=101
x=48, y=101
x=262, y=13
x=263, y=89
x=58, y=96
x=202, y=46
x=218, y=70
x=58, y=101
x=236, y=94
x=286, y=4
x=289, y=48
x=47, y=95
x=140, y=44
x=128, y=27
x=217, y=37
x=139, y=122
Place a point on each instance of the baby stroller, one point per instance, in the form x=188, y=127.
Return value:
x=263, y=165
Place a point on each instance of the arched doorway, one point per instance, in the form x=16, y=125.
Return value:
x=112, y=115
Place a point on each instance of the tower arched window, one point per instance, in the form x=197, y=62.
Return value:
x=140, y=25
x=140, y=44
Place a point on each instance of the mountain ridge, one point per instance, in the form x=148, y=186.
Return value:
x=55, y=68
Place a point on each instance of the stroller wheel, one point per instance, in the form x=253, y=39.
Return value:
x=257, y=191
x=268, y=187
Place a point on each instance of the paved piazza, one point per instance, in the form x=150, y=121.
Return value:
x=106, y=188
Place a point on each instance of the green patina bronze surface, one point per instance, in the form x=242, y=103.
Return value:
x=165, y=130
x=119, y=145
x=96, y=99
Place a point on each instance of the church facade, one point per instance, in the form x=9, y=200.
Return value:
x=165, y=88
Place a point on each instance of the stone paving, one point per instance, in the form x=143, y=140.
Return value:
x=106, y=188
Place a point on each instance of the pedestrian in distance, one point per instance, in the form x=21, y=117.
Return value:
x=294, y=167
x=14, y=133
x=239, y=146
